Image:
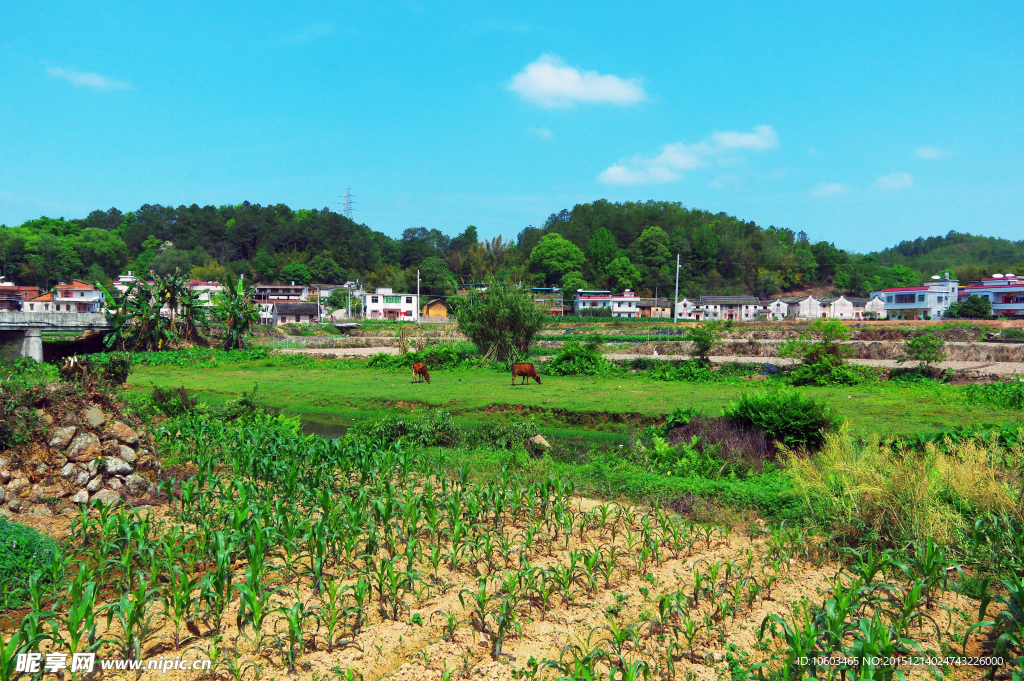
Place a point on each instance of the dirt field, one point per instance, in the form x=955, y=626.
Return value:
x=564, y=608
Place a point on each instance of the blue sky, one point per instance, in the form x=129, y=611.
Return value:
x=860, y=123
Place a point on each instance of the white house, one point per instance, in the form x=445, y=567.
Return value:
x=916, y=302
x=78, y=296
x=1004, y=291
x=689, y=309
x=625, y=304
x=776, y=308
x=384, y=303
x=738, y=308
x=865, y=308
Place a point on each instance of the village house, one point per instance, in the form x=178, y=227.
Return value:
x=655, y=307
x=621, y=304
x=384, y=303
x=1004, y=291
x=868, y=308
x=918, y=302
x=12, y=297
x=738, y=308
x=76, y=297
x=688, y=309
x=548, y=299
x=435, y=309
x=294, y=313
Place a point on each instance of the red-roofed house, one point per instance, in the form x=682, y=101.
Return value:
x=1005, y=292
x=917, y=302
x=78, y=296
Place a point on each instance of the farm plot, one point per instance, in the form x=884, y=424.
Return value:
x=282, y=555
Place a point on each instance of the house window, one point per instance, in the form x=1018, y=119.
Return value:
x=920, y=298
x=373, y=299
x=284, y=319
x=408, y=299
x=392, y=300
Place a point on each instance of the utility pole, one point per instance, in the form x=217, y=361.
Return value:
x=417, y=296
x=675, y=309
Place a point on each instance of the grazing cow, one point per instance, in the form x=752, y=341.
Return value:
x=525, y=370
x=419, y=369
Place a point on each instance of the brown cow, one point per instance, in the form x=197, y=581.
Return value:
x=525, y=370
x=419, y=369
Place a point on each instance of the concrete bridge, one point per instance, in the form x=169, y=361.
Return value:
x=27, y=328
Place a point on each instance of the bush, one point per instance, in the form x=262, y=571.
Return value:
x=23, y=551
x=578, y=359
x=173, y=402
x=789, y=417
x=513, y=435
x=704, y=338
x=118, y=367
x=736, y=449
x=438, y=430
x=501, y=319
x=823, y=355
x=1003, y=395
x=925, y=349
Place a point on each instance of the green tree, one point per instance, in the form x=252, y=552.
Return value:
x=624, y=274
x=554, y=255
x=925, y=349
x=95, y=275
x=297, y=272
x=703, y=340
x=435, y=277
x=171, y=259
x=974, y=307
x=651, y=248
x=572, y=282
x=501, y=319
x=264, y=265
x=103, y=248
x=324, y=270
x=601, y=250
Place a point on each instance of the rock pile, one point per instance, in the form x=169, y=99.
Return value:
x=96, y=456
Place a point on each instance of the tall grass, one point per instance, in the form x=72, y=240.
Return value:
x=893, y=493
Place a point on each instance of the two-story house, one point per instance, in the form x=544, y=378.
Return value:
x=917, y=302
x=384, y=303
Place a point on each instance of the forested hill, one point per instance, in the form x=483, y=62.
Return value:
x=971, y=257
x=600, y=244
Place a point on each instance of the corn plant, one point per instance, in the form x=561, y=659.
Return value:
x=295, y=619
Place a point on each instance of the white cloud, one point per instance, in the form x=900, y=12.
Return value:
x=930, y=153
x=894, y=181
x=307, y=35
x=88, y=79
x=549, y=82
x=678, y=157
x=543, y=133
x=827, y=189
x=762, y=138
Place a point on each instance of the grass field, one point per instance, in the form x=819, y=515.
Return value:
x=335, y=391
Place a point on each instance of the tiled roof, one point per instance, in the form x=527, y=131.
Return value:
x=905, y=288
x=45, y=298
x=651, y=302
x=797, y=299
x=296, y=308
x=729, y=300
x=76, y=284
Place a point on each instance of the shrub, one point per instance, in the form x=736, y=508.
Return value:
x=578, y=359
x=1003, y=395
x=118, y=367
x=173, y=402
x=787, y=416
x=438, y=430
x=925, y=349
x=501, y=319
x=23, y=551
x=512, y=435
x=737, y=448
x=823, y=355
x=703, y=340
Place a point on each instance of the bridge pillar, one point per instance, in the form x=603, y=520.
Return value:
x=32, y=346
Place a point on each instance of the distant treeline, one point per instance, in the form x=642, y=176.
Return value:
x=594, y=245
